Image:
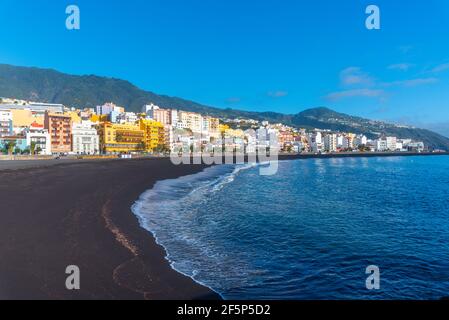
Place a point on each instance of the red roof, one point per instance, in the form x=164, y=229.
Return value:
x=37, y=125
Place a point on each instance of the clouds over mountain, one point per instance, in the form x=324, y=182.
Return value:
x=371, y=93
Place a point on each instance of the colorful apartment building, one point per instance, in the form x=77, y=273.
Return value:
x=5, y=123
x=121, y=138
x=75, y=116
x=59, y=126
x=190, y=120
x=163, y=116
x=38, y=139
x=214, y=127
x=154, y=134
x=85, y=139
x=109, y=108
x=13, y=145
x=285, y=137
x=24, y=118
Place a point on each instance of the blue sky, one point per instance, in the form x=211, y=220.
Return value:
x=284, y=55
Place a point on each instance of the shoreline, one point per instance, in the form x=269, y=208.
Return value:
x=366, y=155
x=27, y=163
x=80, y=213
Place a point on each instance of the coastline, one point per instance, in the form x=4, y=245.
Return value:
x=221, y=235
x=80, y=213
x=359, y=155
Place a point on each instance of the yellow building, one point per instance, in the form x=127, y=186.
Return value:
x=74, y=115
x=94, y=118
x=121, y=138
x=24, y=118
x=234, y=133
x=154, y=134
x=223, y=128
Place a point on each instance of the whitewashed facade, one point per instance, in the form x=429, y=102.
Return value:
x=37, y=135
x=85, y=139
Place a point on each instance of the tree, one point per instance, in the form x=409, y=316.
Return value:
x=33, y=148
x=10, y=147
x=363, y=148
x=162, y=148
x=142, y=146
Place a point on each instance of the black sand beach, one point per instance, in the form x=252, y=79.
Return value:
x=79, y=214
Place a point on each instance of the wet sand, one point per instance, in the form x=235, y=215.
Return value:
x=78, y=213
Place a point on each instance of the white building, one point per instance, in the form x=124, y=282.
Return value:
x=330, y=142
x=406, y=142
x=251, y=141
x=85, y=139
x=316, y=142
x=347, y=143
x=109, y=108
x=380, y=145
x=149, y=108
x=36, y=107
x=5, y=123
x=169, y=136
x=340, y=141
x=417, y=146
x=37, y=135
x=391, y=143
x=298, y=146
x=318, y=138
x=360, y=140
x=267, y=137
x=190, y=120
x=205, y=125
x=174, y=118
x=127, y=117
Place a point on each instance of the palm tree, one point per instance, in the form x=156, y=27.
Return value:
x=10, y=147
x=33, y=148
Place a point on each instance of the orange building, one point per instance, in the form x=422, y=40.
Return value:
x=59, y=127
x=285, y=138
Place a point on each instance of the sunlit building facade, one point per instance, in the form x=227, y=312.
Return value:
x=121, y=138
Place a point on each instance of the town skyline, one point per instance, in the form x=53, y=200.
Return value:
x=39, y=128
x=284, y=60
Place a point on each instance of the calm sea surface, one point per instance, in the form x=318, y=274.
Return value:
x=310, y=231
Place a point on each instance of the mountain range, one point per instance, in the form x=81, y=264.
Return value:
x=47, y=85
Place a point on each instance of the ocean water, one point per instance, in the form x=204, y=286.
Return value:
x=310, y=231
